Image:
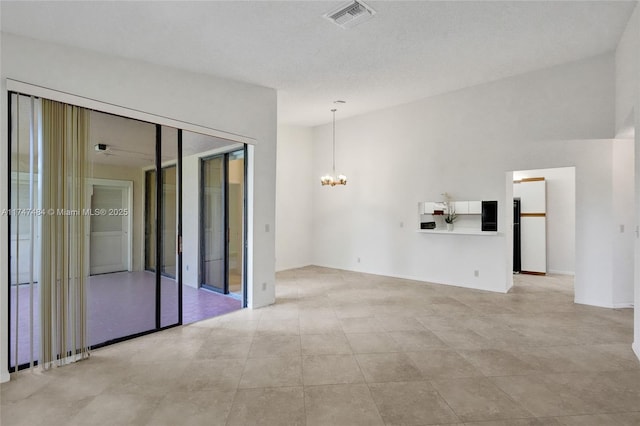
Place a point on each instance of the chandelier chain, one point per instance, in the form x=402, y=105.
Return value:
x=334, y=140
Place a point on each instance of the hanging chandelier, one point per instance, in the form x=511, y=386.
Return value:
x=333, y=178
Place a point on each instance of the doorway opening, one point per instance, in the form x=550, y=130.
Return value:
x=544, y=224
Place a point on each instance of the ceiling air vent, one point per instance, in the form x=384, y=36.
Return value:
x=350, y=14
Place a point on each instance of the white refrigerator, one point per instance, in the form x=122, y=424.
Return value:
x=533, y=224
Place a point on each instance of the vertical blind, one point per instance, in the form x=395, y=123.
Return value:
x=64, y=271
x=48, y=228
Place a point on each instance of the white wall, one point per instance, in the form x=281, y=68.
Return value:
x=561, y=216
x=294, y=208
x=628, y=115
x=204, y=100
x=464, y=143
x=628, y=71
x=623, y=221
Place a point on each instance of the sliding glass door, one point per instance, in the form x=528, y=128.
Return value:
x=213, y=225
x=168, y=208
x=236, y=222
x=168, y=222
x=96, y=237
x=223, y=222
x=121, y=295
x=162, y=218
x=90, y=218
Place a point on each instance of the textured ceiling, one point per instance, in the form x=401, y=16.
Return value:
x=409, y=50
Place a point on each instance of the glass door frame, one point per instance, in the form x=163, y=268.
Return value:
x=159, y=227
x=245, y=225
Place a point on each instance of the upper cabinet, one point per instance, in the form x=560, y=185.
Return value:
x=475, y=207
x=461, y=207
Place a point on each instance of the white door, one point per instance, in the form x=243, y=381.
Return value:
x=109, y=229
x=533, y=224
x=533, y=244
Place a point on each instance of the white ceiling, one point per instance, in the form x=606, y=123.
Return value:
x=409, y=50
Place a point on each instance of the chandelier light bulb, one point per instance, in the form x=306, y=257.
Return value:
x=326, y=180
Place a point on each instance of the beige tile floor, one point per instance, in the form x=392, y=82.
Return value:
x=342, y=348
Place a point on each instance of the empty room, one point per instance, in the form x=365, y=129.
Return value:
x=320, y=213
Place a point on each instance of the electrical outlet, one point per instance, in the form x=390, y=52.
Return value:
x=187, y=267
x=621, y=229
x=266, y=228
x=358, y=260
x=476, y=273
x=401, y=224
x=264, y=286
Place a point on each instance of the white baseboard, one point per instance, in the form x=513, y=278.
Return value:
x=623, y=305
x=553, y=271
x=594, y=303
x=4, y=376
x=636, y=349
x=289, y=267
x=410, y=278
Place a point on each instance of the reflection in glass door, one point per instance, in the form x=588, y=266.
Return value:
x=213, y=225
x=150, y=220
x=223, y=223
x=170, y=288
x=235, y=203
x=168, y=221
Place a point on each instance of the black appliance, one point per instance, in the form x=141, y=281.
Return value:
x=490, y=216
x=427, y=225
x=517, y=260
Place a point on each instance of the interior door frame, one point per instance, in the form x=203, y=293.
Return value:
x=128, y=185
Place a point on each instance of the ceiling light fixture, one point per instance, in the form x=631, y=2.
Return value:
x=333, y=178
